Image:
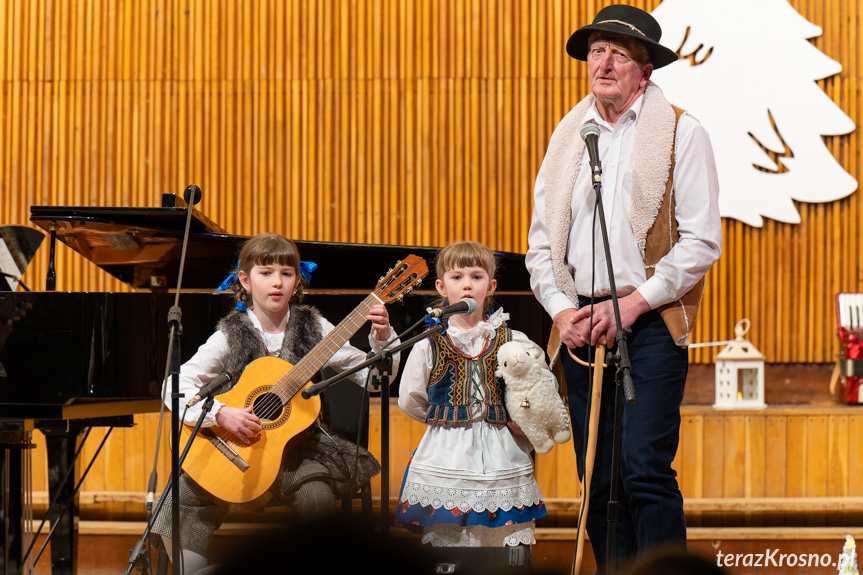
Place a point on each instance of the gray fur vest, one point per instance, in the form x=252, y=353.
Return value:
x=245, y=345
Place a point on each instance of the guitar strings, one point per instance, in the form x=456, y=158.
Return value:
x=340, y=332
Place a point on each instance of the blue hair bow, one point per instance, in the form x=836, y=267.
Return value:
x=225, y=285
x=306, y=269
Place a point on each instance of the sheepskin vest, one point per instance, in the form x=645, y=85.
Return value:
x=652, y=203
x=449, y=387
x=245, y=344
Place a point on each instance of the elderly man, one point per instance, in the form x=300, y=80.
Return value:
x=659, y=194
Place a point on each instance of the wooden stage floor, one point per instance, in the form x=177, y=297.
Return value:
x=103, y=549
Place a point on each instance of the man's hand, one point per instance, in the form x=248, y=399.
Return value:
x=604, y=329
x=241, y=422
x=571, y=335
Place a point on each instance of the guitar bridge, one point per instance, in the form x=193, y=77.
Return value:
x=225, y=450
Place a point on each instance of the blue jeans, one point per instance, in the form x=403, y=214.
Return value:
x=650, y=503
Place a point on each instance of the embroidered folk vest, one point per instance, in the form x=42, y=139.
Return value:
x=449, y=387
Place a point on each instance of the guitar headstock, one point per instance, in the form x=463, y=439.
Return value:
x=402, y=279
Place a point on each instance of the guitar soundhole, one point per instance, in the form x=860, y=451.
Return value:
x=268, y=407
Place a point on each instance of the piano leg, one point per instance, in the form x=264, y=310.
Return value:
x=60, y=442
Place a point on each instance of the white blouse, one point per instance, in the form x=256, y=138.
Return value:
x=211, y=360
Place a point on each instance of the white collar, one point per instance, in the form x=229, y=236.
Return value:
x=632, y=113
x=483, y=329
x=257, y=323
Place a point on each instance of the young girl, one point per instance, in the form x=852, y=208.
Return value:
x=470, y=482
x=270, y=278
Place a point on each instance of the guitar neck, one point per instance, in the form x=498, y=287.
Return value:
x=312, y=363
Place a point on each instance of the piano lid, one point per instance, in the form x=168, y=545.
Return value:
x=142, y=247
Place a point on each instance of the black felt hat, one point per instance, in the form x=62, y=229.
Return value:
x=624, y=21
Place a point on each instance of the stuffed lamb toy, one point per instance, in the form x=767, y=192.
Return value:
x=531, y=396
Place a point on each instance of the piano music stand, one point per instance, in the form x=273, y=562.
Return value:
x=17, y=249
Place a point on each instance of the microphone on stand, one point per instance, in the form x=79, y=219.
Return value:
x=209, y=389
x=192, y=194
x=466, y=306
x=590, y=135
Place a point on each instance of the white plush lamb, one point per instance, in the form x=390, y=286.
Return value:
x=531, y=396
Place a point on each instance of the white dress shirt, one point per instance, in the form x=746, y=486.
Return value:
x=696, y=192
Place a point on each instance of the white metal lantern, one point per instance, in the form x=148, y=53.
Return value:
x=740, y=372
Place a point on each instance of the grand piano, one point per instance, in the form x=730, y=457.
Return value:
x=75, y=360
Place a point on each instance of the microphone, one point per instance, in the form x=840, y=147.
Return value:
x=465, y=306
x=590, y=135
x=192, y=194
x=210, y=389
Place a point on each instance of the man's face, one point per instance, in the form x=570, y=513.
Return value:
x=616, y=79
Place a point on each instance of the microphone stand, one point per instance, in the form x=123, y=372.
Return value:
x=381, y=360
x=192, y=195
x=623, y=383
x=139, y=548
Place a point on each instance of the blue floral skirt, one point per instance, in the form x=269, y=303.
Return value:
x=415, y=516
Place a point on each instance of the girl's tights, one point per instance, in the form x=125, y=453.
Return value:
x=190, y=561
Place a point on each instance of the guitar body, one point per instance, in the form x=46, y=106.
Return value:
x=233, y=473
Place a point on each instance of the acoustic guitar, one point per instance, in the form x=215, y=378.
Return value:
x=233, y=473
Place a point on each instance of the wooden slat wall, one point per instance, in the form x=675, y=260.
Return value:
x=386, y=121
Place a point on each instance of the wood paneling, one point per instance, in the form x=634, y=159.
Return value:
x=769, y=455
x=386, y=121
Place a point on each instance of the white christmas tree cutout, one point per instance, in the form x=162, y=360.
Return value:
x=748, y=73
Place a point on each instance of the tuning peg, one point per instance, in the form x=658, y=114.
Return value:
x=380, y=279
x=401, y=298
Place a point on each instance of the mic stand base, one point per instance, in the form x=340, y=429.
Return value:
x=137, y=554
x=382, y=382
